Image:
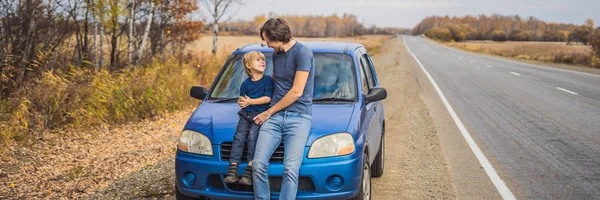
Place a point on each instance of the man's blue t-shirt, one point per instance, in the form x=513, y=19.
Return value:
x=257, y=89
x=285, y=65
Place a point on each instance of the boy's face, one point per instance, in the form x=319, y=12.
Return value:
x=259, y=65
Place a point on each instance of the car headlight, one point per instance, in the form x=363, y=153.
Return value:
x=194, y=142
x=337, y=144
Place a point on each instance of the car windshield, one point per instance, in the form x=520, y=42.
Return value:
x=334, y=78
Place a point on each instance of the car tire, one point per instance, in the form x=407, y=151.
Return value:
x=364, y=192
x=378, y=164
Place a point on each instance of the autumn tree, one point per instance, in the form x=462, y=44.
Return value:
x=514, y=28
x=498, y=35
x=442, y=34
x=334, y=25
x=150, y=7
x=519, y=35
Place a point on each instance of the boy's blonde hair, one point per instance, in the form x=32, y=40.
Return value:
x=249, y=59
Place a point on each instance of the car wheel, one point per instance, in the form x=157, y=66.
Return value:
x=378, y=163
x=364, y=192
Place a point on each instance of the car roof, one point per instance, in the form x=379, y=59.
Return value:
x=316, y=46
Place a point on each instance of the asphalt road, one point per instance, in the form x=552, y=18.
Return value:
x=539, y=126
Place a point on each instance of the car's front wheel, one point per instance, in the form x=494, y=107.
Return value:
x=378, y=163
x=364, y=192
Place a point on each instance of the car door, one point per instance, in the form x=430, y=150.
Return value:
x=368, y=110
x=377, y=124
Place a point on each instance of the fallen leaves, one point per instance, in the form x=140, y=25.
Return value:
x=76, y=164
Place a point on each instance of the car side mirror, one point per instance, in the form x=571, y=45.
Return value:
x=375, y=94
x=198, y=92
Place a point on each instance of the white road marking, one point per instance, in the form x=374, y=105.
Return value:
x=485, y=163
x=460, y=58
x=515, y=73
x=471, y=61
x=567, y=91
x=488, y=66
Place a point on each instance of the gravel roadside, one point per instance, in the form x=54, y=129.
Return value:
x=415, y=167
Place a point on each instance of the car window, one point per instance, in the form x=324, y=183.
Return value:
x=367, y=70
x=372, y=70
x=334, y=77
x=363, y=78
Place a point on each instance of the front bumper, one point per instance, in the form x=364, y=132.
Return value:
x=314, y=181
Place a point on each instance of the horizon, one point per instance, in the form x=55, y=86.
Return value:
x=407, y=14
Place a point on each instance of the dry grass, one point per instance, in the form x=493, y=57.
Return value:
x=543, y=50
x=80, y=99
x=228, y=44
x=553, y=52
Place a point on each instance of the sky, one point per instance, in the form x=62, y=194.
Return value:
x=407, y=14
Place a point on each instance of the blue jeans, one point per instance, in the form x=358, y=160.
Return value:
x=246, y=130
x=293, y=128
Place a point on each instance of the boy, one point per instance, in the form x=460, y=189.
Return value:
x=255, y=96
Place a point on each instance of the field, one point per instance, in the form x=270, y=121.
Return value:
x=551, y=52
x=227, y=44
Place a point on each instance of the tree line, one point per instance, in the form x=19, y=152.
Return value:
x=503, y=28
x=42, y=35
x=346, y=25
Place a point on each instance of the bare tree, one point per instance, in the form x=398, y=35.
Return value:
x=140, y=51
x=218, y=9
x=130, y=38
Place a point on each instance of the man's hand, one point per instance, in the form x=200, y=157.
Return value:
x=262, y=117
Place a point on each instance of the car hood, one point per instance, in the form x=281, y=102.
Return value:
x=218, y=121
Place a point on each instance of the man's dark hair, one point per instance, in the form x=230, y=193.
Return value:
x=276, y=30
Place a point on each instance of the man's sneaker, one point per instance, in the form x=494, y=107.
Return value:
x=232, y=175
x=247, y=177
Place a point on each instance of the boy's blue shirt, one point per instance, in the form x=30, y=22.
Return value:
x=257, y=89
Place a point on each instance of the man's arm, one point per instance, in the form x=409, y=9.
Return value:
x=294, y=94
x=290, y=97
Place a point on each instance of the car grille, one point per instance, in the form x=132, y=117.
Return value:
x=226, y=153
x=304, y=184
x=215, y=181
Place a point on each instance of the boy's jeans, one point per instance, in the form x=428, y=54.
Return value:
x=246, y=129
x=293, y=128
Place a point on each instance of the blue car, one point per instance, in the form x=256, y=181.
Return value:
x=346, y=143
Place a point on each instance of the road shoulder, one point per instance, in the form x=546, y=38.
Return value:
x=415, y=167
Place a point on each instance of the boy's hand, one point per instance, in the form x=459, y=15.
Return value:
x=244, y=101
x=240, y=101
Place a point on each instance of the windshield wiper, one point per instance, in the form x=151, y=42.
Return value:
x=224, y=100
x=332, y=99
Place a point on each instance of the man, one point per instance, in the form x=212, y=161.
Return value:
x=289, y=117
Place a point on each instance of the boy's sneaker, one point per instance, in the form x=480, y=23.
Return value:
x=247, y=177
x=232, y=175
